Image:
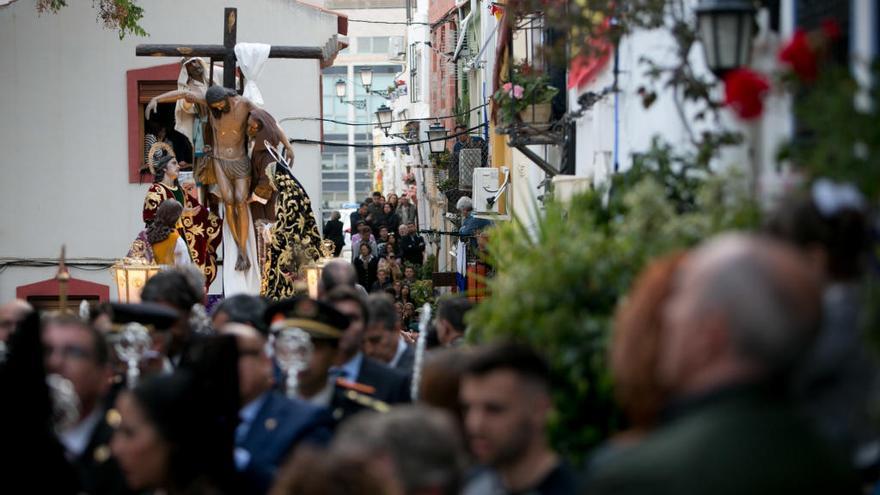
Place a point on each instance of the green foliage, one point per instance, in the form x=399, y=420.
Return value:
x=557, y=288
x=462, y=106
x=442, y=161
x=446, y=185
x=526, y=87
x=121, y=15
x=839, y=134
x=421, y=292
x=428, y=267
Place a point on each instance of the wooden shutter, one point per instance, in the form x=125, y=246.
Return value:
x=148, y=89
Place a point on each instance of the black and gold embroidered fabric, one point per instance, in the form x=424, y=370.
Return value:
x=295, y=239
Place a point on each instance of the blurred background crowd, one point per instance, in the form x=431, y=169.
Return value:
x=738, y=366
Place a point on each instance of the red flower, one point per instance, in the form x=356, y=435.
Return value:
x=744, y=92
x=801, y=57
x=831, y=28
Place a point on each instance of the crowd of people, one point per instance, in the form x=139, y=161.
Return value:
x=739, y=365
x=387, y=252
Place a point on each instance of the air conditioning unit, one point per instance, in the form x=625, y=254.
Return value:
x=490, y=190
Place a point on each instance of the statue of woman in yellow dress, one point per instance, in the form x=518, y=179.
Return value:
x=198, y=227
x=160, y=242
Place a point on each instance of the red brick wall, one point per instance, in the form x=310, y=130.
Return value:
x=443, y=87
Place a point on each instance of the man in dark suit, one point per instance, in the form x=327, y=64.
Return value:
x=325, y=326
x=333, y=231
x=360, y=215
x=79, y=353
x=383, y=340
x=743, y=312
x=412, y=245
x=386, y=384
x=272, y=425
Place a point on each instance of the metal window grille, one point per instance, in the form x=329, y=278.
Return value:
x=468, y=159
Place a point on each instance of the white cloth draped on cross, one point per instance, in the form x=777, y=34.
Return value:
x=252, y=58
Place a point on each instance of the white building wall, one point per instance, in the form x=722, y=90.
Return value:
x=64, y=134
x=637, y=126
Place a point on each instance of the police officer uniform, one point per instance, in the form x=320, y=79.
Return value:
x=323, y=322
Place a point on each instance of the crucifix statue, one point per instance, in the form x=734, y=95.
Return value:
x=228, y=117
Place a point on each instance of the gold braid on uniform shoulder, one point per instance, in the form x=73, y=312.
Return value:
x=365, y=400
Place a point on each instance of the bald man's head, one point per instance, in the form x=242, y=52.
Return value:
x=742, y=301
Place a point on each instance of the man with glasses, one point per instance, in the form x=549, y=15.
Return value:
x=325, y=326
x=79, y=353
x=352, y=365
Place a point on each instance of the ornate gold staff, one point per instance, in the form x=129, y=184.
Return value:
x=63, y=277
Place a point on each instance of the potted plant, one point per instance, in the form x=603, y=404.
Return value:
x=526, y=97
x=446, y=185
x=441, y=165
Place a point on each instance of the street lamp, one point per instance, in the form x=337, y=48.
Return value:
x=340, y=92
x=313, y=270
x=367, y=83
x=383, y=115
x=437, y=138
x=725, y=28
x=131, y=274
x=367, y=78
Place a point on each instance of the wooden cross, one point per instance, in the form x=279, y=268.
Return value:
x=226, y=51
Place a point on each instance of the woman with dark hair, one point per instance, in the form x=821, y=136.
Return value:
x=391, y=219
x=160, y=242
x=393, y=201
x=176, y=432
x=390, y=247
x=198, y=227
x=366, y=265
x=405, y=296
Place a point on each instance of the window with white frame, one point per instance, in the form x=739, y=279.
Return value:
x=384, y=45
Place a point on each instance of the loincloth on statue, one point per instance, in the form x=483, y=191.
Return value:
x=235, y=169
